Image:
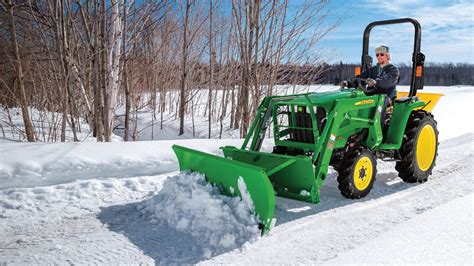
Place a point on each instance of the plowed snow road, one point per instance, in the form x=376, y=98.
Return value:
x=98, y=221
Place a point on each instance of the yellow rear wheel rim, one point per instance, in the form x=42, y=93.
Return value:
x=363, y=173
x=426, y=148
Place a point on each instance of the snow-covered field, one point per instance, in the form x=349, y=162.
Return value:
x=125, y=203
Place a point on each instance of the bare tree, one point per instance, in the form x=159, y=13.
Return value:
x=125, y=75
x=211, y=68
x=17, y=65
x=184, y=65
x=193, y=21
x=114, y=55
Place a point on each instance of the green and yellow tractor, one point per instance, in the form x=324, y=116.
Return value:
x=313, y=131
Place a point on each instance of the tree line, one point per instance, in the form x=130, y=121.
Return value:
x=435, y=74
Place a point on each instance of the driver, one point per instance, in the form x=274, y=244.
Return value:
x=381, y=78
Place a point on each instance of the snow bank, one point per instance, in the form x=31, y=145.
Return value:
x=84, y=194
x=39, y=164
x=190, y=204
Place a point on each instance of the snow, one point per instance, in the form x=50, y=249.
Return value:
x=316, y=234
x=457, y=101
x=304, y=193
x=61, y=224
x=246, y=200
x=453, y=111
x=47, y=126
x=125, y=203
x=189, y=204
x=441, y=229
x=38, y=164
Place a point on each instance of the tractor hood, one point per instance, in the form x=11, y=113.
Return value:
x=325, y=99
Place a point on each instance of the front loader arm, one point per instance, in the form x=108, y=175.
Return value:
x=261, y=122
x=259, y=125
x=324, y=147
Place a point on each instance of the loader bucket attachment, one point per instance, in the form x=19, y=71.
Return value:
x=431, y=99
x=225, y=173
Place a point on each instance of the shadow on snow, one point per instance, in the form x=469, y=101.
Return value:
x=162, y=243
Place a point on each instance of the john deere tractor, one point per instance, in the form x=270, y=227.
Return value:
x=313, y=131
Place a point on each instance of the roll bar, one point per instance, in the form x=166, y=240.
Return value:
x=418, y=58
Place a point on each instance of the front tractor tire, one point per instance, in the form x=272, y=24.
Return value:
x=419, y=148
x=357, y=173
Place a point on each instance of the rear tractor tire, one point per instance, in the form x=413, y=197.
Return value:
x=419, y=148
x=357, y=173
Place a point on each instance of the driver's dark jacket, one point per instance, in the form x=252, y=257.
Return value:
x=386, y=77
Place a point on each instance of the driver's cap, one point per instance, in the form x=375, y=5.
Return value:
x=382, y=49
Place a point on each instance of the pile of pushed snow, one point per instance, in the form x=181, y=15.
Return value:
x=190, y=204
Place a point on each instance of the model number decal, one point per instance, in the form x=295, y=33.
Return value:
x=364, y=102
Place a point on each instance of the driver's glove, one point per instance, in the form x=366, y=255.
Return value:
x=343, y=84
x=370, y=82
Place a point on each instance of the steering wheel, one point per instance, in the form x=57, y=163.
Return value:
x=362, y=85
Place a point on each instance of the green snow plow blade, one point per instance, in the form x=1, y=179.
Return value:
x=225, y=173
x=264, y=175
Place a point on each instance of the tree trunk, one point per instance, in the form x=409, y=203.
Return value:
x=184, y=71
x=211, y=55
x=232, y=107
x=114, y=54
x=29, y=130
x=125, y=77
x=103, y=63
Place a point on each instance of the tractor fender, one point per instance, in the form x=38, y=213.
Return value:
x=398, y=123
